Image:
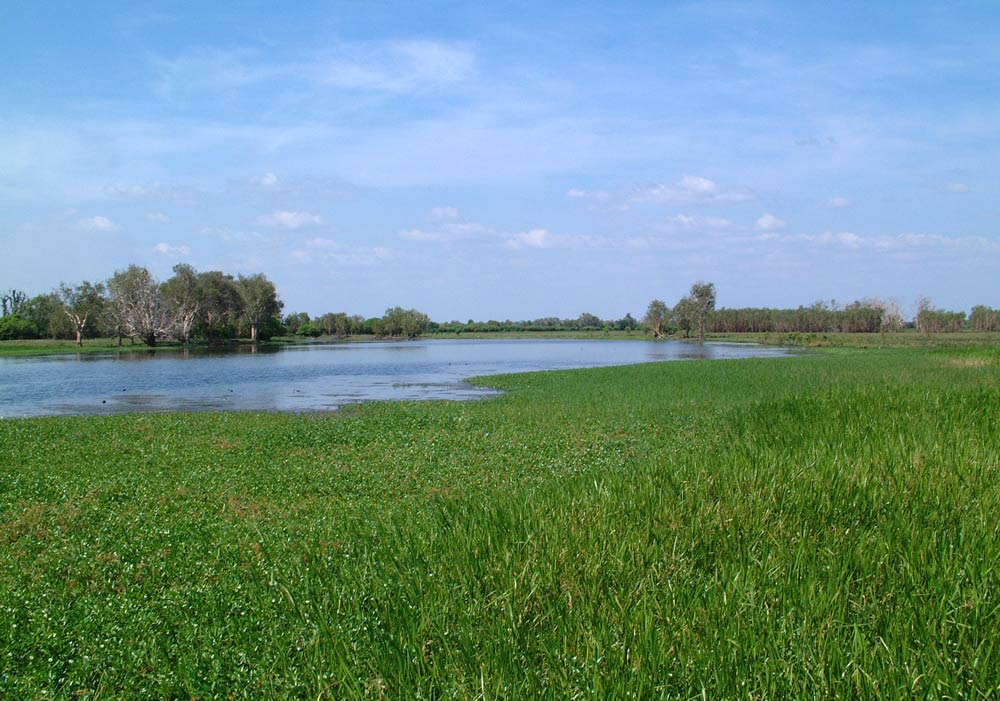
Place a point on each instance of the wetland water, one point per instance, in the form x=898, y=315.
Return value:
x=315, y=377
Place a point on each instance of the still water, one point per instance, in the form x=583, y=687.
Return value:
x=316, y=377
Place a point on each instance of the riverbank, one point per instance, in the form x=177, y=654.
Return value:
x=48, y=346
x=901, y=339
x=909, y=338
x=813, y=526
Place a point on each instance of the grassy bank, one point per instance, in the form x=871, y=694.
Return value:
x=800, y=527
x=48, y=346
x=900, y=339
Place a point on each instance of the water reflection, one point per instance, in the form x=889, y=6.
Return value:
x=309, y=377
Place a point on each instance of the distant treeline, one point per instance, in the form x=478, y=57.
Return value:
x=210, y=306
x=215, y=307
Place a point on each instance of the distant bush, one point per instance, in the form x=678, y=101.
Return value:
x=14, y=327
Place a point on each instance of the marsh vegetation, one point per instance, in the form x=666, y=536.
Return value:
x=799, y=527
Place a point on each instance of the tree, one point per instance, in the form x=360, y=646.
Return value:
x=657, y=315
x=703, y=303
x=260, y=303
x=182, y=298
x=626, y=323
x=82, y=305
x=685, y=315
x=294, y=320
x=15, y=326
x=221, y=305
x=11, y=302
x=46, y=313
x=984, y=318
x=138, y=305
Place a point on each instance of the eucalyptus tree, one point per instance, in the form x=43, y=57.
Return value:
x=685, y=315
x=182, y=295
x=138, y=304
x=984, y=318
x=11, y=301
x=702, y=297
x=82, y=305
x=46, y=313
x=260, y=302
x=221, y=304
x=657, y=316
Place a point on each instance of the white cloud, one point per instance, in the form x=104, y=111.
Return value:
x=443, y=214
x=689, y=222
x=418, y=235
x=172, y=251
x=448, y=225
x=769, y=222
x=267, y=181
x=694, y=183
x=840, y=202
x=330, y=252
x=398, y=67
x=536, y=238
x=959, y=188
x=158, y=217
x=289, y=220
x=885, y=243
x=690, y=190
x=98, y=223
x=542, y=238
x=595, y=195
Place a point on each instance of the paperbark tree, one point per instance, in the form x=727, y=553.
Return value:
x=702, y=297
x=81, y=304
x=260, y=302
x=657, y=315
x=182, y=298
x=221, y=304
x=138, y=304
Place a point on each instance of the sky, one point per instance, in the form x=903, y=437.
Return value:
x=508, y=160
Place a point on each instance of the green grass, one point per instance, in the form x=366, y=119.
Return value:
x=902, y=339
x=807, y=527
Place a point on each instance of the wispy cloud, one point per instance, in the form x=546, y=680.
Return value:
x=959, y=188
x=446, y=224
x=397, y=67
x=170, y=251
x=769, y=222
x=690, y=190
x=330, y=252
x=158, y=217
x=839, y=202
x=289, y=220
x=98, y=223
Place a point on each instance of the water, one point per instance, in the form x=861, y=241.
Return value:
x=309, y=377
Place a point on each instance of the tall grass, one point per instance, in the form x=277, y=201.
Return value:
x=790, y=528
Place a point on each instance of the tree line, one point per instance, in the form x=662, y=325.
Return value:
x=397, y=322
x=132, y=304
x=215, y=307
x=210, y=306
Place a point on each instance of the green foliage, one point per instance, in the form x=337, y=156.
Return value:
x=15, y=327
x=819, y=526
x=401, y=322
x=261, y=306
x=308, y=329
x=657, y=316
x=984, y=318
x=931, y=320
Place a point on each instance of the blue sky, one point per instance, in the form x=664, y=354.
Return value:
x=508, y=160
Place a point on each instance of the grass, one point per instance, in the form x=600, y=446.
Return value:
x=807, y=527
x=909, y=338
